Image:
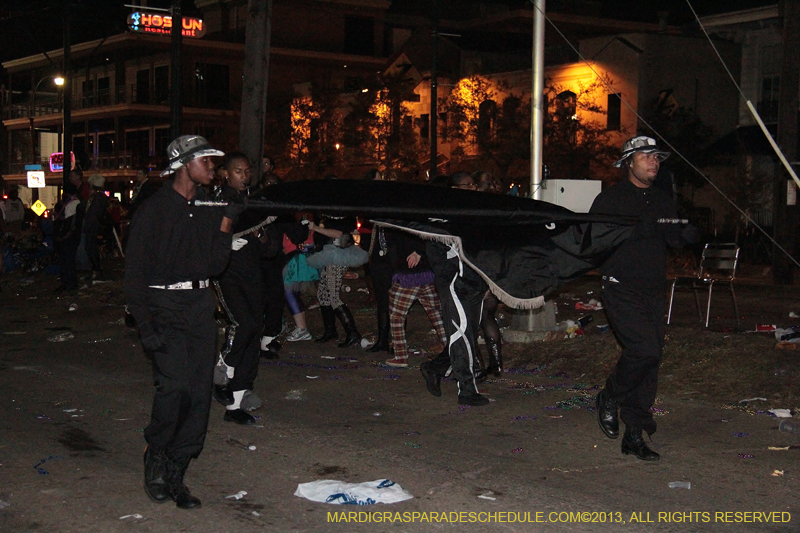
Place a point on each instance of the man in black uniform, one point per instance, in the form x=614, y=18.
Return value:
x=634, y=294
x=173, y=249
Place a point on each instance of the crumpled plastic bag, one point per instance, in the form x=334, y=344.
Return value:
x=790, y=334
x=341, y=493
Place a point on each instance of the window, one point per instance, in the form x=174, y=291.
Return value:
x=104, y=90
x=161, y=84
x=212, y=85
x=771, y=59
x=143, y=86
x=87, y=91
x=359, y=36
x=424, y=126
x=614, y=112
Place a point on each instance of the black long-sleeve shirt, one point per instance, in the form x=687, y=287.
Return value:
x=640, y=261
x=172, y=241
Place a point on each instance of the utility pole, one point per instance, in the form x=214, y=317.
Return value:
x=434, y=123
x=537, y=99
x=176, y=92
x=785, y=218
x=255, y=82
x=67, y=144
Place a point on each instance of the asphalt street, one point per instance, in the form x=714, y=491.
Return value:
x=72, y=413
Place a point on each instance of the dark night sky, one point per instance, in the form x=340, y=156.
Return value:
x=32, y=26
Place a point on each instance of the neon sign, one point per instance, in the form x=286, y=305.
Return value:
x=154, y=23
x=57, y=162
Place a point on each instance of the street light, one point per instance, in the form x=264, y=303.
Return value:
x=58, y=80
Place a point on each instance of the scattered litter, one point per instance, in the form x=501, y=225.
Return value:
x=591, y=305
x=487, y=496
x=765, y=328
x=312, y=377
x=97, y=341
x=61, y=337
x=3, y=504
x=413, y=445
x=516, y=450
x=43, y=417
x=364, y=289
x=238, y=496
x=239, y=444
x=135, y=516
x=346, y=288
x=38, y=466
x=72, y=307
x=777, y=473
x=603, y=328
x=555, y=416
x=792, y=314
x=783, y=448
x=680, y=484
x=367, y=493
x=746, y=456
x=741, y=434
x=790, y=334
x=758, y=399
x=296, y=394
x=788, y=426
x=14, y=332
x=70, y=410
x=376, y=413
x=32, y=297
x=781, y=413
x=367, y=343
x=411, y=433
x=327, y=357
x=256, y=513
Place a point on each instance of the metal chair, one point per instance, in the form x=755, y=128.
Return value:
x=717, y=265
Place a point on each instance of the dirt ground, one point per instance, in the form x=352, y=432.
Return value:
x=72, y=414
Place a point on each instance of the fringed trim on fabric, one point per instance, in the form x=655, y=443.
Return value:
x=416, y=279
x=257, y=227
x=455, y=242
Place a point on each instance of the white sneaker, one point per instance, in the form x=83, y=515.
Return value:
x=299, y=335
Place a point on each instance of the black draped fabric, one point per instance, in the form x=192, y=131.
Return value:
x=522, y=248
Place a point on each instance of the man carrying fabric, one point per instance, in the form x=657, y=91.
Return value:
x=173, y=249
x=634, y=294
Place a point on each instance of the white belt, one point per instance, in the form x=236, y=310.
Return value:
x=183, y=285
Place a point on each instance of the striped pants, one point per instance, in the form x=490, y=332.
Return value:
x=400, y=301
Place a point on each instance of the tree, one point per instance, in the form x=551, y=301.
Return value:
x=463, y=106
x=576, y=144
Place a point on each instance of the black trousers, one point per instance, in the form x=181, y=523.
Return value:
x=272, y=295
x=67, y=252
x=637, y=319
x=242, y=294
x=381, y=271
x=461, y=293
x=183, y=371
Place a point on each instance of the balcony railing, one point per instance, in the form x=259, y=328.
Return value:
x=51, y=104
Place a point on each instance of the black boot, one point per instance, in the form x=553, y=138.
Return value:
x=495, y=362
x=607, y=415
x=155, y=474
x=495, y=357
x=329, y=321
x=349, y=324
x=223, y=394
x=176, y=468
x=633, y=444
x=384, y=335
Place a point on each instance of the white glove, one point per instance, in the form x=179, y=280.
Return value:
x=305, y=222
x=238, y=244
